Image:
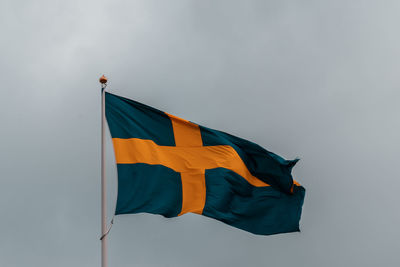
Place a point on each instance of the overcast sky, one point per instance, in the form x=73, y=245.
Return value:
x=317, y=80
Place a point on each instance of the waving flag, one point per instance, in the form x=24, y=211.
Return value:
x=169, y=166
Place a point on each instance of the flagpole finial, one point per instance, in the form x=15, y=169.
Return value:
x=103, y=79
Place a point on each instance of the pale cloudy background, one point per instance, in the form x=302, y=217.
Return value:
x=314, y=79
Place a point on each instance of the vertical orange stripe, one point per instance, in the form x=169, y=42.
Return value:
x=188, y=134
x=193, y=192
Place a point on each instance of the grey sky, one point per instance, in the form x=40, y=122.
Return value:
x=313, y=79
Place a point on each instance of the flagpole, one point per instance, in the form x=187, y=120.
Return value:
x=103, y=81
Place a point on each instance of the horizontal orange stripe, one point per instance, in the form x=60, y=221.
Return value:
x=182, y=159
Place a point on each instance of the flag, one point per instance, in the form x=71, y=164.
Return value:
x=170, y=166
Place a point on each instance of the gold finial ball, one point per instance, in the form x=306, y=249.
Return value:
x=103, y=79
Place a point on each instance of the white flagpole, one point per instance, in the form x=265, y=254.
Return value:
x=103, y=81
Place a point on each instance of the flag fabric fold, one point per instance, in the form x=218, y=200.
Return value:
x=169, y=166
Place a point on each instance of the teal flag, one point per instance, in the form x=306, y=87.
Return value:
x=170, y=166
